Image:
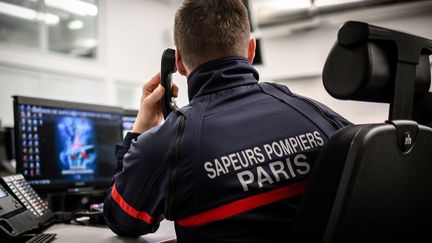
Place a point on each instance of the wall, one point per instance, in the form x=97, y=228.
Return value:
x=133, y=34
x=296, y=60
x=138, y=32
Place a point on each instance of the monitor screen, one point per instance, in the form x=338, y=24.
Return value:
x=63, y=144
x=258, y=60
x=128, y=120
x=2, y=145
x=2, y=193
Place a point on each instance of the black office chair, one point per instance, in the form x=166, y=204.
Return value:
x=373, y=182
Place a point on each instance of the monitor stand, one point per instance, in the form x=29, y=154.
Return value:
x=74, y=199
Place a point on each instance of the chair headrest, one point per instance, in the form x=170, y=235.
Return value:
x=363, y=64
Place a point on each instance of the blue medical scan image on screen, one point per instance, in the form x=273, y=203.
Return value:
x=76, y=146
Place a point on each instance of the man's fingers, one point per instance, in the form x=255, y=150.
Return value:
x=152, y=84
x=155, y=96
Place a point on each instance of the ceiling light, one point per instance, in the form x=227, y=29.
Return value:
x=75, y=24
x=283, y=5
x=74, y=6
x=28, y=14
x=86, y=43
x=17, y=11
x=51, y=19
x=48, y=18
x=326, y=3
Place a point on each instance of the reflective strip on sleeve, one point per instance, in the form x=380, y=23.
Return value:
x=128, y=209
x=242, y=205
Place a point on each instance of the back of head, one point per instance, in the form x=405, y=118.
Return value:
x=206, y=30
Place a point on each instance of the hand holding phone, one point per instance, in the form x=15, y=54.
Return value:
x=150, y=112
x=168, y=67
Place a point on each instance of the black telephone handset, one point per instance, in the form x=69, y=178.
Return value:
x=21, y=209
x=168, y=67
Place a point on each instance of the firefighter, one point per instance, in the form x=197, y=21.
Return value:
x=232, y=164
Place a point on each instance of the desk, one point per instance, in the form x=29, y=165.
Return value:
x=68, y=233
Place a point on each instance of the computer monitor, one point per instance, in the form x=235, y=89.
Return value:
x=3, y=153
x=258, y=60
x=128, y=120
x=62, y=145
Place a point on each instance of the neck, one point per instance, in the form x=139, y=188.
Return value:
x=220, y=74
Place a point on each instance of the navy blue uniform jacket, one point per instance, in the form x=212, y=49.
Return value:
x=228, y=167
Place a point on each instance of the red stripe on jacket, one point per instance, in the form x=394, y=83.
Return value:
x=242, y=205
x=141, y=215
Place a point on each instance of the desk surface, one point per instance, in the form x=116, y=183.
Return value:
x=67, y=233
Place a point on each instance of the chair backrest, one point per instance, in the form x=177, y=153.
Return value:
x=373, y=182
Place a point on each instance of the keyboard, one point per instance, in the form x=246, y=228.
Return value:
x=42, y=238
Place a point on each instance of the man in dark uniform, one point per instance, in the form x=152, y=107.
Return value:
x=231, y=165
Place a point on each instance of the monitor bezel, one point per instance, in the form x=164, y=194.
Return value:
x=130, y=112
x=100, y=183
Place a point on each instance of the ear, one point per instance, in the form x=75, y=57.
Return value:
x=251, y=50
x=181, y=68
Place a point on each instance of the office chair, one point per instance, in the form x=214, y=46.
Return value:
x=373, y=182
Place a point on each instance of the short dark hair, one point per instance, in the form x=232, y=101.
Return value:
x=205, y=30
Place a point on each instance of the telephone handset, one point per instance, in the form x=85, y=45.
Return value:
x=21, y=209
x=168, y=67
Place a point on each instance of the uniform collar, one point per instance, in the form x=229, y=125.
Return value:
x=221, y=74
